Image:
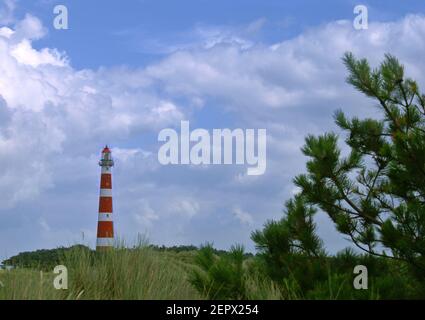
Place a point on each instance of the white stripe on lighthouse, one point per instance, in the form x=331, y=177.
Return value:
x=106, y=170
x=105, y=216
x=105, y=242
x=106, y=192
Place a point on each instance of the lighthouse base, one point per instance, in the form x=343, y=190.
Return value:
x=104, y=244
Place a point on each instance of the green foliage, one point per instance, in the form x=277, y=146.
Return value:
x=234, y=275
x=220, y=277
x=375, y=195
x=44, y=259
x=290, y=247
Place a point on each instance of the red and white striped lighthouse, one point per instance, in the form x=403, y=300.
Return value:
x=105, y=226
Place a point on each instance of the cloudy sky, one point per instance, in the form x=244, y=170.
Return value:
x=125, y=70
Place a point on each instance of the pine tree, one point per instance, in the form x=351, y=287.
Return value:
x=291, y=249
x=375, y=194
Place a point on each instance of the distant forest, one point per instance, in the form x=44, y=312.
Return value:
x=47, y=259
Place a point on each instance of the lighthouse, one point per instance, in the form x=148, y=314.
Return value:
x=105, y=226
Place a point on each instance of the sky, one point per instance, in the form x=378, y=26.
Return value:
x=124, y=71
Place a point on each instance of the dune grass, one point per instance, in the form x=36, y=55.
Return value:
x=142, y=273
x=23, y=284
x=138, y=273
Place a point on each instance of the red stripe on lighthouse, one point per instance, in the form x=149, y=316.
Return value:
x=105, y=229
x=106, y=181
x=105, y=225
x=105, y=204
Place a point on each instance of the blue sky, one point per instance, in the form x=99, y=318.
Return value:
x=126, y=70
x=110, y=33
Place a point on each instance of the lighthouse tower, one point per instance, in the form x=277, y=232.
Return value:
x=105, y=227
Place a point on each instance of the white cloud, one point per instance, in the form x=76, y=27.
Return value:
x=30, y=28
x=295, y=72
x=243, y=217
x=186, y=207
x=48, y=106
x=44, y=225
x=7, y=8
x=145, y=215
x=6, y=32
x=25, y=54
x=127, y=154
